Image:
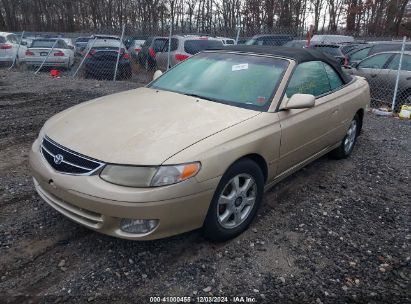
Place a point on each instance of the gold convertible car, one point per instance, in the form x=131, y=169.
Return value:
x=198, y=146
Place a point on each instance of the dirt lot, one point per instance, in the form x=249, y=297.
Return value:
x=335, y=232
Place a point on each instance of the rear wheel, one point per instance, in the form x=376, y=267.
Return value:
x=235, y=202
x=348, y=143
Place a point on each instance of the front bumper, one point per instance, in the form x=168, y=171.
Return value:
x=100, y=206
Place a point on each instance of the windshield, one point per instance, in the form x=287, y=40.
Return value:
x=241, y=80
x=332, y=50
x=195, y=46
x=252, y=41
x=43, y=43
x=82, y=40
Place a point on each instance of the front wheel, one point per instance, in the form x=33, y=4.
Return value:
x=235, y=202
x=350, y=138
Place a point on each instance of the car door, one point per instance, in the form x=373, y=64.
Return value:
x=158, y=46
x=404, y=85
x=307, y=132
x=69, y=51
x=11, y=52
x=374, y=69
x=162, y=56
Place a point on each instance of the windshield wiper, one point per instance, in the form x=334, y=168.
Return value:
x=198, y=96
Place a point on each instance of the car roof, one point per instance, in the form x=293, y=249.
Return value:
x=392, y=52
x=106, y=43
x=332, y=45
x=298, y=55
x=5, y=33
x=272, y=35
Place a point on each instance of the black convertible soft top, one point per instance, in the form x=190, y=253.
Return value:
x=298, y=55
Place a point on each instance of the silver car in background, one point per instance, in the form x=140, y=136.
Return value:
x=9, y=48
x=42, y=49
x=80, y=44
x=381, y=70
x=183, y=47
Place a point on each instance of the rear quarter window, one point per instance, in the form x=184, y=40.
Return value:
x=360, y=55
x=2, y=39
x=195, y=46
x=159, y=44
x=335, y=79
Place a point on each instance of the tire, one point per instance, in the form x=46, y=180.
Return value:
x=231, y=211
x=347, y=144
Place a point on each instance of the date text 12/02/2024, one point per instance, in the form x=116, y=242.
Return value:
x=203, y=299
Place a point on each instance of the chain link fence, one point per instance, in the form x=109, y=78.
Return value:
x=127, y=54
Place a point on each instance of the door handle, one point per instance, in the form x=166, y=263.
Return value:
x=334, y=112
x=408, y=78
x=373, y=75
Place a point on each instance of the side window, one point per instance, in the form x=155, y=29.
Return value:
x=335, y=79
x=359, y=55
x=406, y=63
x=309, y=78
x=62, y=44
x=12, y=39
x=375, y=62
x=159, y=44
x=174, y=45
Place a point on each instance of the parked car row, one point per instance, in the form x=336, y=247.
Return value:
x=154, y=52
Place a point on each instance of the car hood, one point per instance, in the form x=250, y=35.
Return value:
x=142, y=126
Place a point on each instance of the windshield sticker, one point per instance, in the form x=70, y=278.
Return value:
x=260, y=99
x=239, y=67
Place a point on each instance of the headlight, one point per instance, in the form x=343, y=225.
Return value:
x=133, y=176
x=167, y=175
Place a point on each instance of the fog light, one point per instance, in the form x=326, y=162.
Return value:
x=138, y=226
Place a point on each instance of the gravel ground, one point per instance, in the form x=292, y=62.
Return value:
x=334, y=232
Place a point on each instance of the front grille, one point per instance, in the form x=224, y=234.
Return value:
x=66, y=161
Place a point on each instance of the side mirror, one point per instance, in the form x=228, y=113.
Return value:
x=157, y=74
x=299, y=101
x=23, y=43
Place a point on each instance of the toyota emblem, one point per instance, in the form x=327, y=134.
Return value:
x=58, y=158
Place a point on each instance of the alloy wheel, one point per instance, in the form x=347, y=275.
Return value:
x=350, y=137
x=236, y=201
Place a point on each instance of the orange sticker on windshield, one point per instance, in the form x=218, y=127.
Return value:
x=260, y=99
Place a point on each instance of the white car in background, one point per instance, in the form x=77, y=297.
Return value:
x=183, y=47
x=69, y=42
x=330, y=39
x=227, y=41
x=10, y=49
x=42, y=49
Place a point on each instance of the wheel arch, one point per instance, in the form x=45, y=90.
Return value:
x=259, y=160
x=360, y=114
